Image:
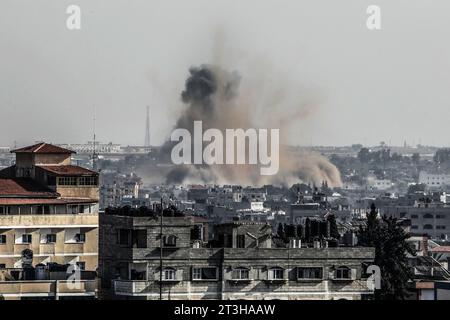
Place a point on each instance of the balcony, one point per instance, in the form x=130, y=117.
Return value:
x=47, y=288
x=50, y=220
x=76, y=247
x=130, y=287
x=47, y=248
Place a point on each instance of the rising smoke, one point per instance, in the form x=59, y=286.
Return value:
x=212, y=95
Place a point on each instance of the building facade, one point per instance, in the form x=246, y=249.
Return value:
x=142, y=258
x=48, y=226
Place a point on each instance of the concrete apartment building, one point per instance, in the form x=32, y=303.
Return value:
x=430, y=219
x=240, y=263
x=434, y=180
x=48, y=226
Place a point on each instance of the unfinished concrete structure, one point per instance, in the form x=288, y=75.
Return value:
x=142, y=258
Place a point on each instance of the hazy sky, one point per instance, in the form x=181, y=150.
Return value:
x=368, y=86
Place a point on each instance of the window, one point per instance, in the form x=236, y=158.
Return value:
x=44, y=209
x=309, y=273
x=81, y=265
x=80, y=237
x=207, y=273
x=26, y=238
x=343, y=273
x=414, y=216
x=414, y=227
x=2, y=266
x=428, y=227
x=50, y=238
x=5, y=209
x=67, y=181
x=139, y=238
x=440, y=227
x=73, y=208
x=240, y=241
x=170, y=241
x=276, y=273
x=87, y=181
x=241, y=274
x=169, y=274
x=440, y=216
x=428, y=216
x=124, y=237
x=2, y=239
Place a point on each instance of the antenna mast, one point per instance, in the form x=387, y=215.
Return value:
x=147, y=128
x=94, y=151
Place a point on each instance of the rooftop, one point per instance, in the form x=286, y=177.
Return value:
x=68, y=170
x=441, y=249
x=24, y=187
x=43, y=147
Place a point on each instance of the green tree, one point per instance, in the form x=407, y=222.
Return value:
x=391, y=249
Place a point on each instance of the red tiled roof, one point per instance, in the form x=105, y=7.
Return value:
x=23, y=201
x=24, y=187
x=42, y=148
x=68, y=170
x=441, y=249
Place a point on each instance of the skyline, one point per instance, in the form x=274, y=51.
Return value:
x=358, y=86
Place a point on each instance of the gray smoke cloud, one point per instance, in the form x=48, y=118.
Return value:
x=212, y=95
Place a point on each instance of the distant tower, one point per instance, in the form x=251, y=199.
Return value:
x=147, y=128
x=94, y=151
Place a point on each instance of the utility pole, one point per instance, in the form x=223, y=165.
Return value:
x=161, y=251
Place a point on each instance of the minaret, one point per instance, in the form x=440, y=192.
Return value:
x=147, y=128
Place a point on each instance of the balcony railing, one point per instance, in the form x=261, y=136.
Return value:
x=129, y=286
x=48, y=287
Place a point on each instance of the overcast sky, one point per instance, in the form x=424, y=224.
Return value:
x=389, y=85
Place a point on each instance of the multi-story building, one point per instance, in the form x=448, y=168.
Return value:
x=144, y=258
x=119, y=187
x=48, y=226
x=434, y=180
x=430, y=219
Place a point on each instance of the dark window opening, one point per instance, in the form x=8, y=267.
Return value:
x=139, y=238
x=310, y=273
x=50, y=238
x=343, y=273
x=207, y=273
